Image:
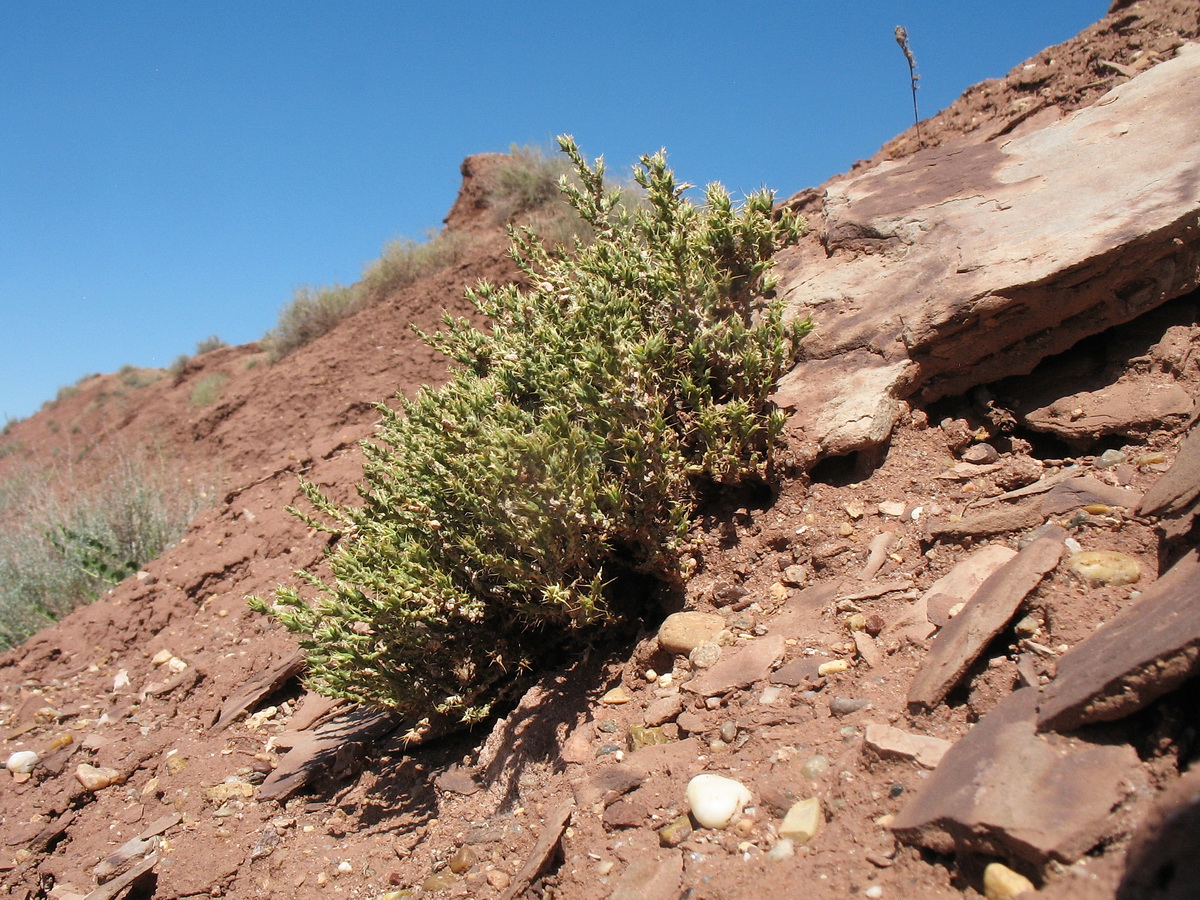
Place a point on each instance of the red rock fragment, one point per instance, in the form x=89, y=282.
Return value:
x=984, y=616
x=1003, y=790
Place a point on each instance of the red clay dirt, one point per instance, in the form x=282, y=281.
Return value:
x=552, y=801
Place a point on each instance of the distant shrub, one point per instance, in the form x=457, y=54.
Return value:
x=526, y=180
x=135, y=377
x=177, y=367
x=210, y=343
x=66, y=392
x=63, y=545
x=405, y=261
x=311, y=313
x=506, y=517
x=208, y=389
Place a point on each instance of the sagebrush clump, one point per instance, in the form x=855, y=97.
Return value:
x=569, y=447
x=68, y=535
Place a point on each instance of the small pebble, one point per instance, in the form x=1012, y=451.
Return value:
x=802, y=821
x=616, y=696
x=1107, y=567
x=93, y=778
x=22, y=762
x=438, y=881
x=640, y=736
x=344, y=868
x=676, y=832
x=498, y=879
x=1110, y=458
x=728, y=732
x=814, y=767
x=1002, y=883
x=893, y=508
x=833, y=667
x=716, y=801
x=461, y=860
x=980, y=455
x=705, y=656
x=874, y=892
x=844, y=706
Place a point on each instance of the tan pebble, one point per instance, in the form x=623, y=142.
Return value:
x=802, y=821
x=650, y=675
x=95, y=778
x=845, y=529
x=744, y=827
x=176, y=764
x=857, y=622
x=604, y=867
x=1002, y=883
x=63, y=740
x=322, y=878
x=1028, y=626
x=854, y=510
x=230, y=790
x=498, y=879
x=833, y=667
x=461, y=861
x=616, y=696
x=162, y=657
x=176, y=665
x=778, y=592
x=955, y=610
x=1108, y=567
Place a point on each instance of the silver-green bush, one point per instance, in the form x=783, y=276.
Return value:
x=569, y=446
x=67, y=538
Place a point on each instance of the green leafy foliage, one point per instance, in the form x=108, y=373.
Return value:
x=499, y=512
x=69, y=534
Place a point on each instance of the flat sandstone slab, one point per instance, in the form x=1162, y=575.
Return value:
x=968, y=263
x=1004, y=790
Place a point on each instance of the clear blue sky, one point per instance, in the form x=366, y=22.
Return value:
x=176, y=168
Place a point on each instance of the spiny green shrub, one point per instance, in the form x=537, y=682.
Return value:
x=68, y=537
x=570, y=446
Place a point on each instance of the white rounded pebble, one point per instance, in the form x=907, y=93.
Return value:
x=716, y=801
x=22, y=762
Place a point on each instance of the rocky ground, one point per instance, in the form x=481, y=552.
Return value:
x=970, y=646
